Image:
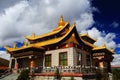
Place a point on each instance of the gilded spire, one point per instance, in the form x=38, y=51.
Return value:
x=104, y=45
x=61, y=21
x=68, y=21
x=14, y=45
x=112, y=50
x=74, y=23
x=33, y=35
x=25, y=43
x=87, y=34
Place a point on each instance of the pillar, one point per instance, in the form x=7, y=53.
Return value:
x=16, y=64
x=43, y=60
x=32, y=64
x=101, y=65
x=10, y=63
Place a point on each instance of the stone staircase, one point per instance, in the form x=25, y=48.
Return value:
x=12, y=76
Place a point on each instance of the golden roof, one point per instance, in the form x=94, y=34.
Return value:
x=55, y=40
x=88, y=43
x=92, y=45
x=87, y=35
x=103, y=47
x=40, y=44
x=22, y=48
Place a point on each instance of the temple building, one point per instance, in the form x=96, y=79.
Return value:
x=64, y=48
x=3, y=66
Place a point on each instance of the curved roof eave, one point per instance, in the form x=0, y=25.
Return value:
x=103, y=48
x=39, y=45
x=47, y=34
x=10, y=50
x=87, y=35
x=72, y=29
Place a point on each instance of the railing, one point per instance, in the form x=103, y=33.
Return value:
x=21, y=69
x=70, y=69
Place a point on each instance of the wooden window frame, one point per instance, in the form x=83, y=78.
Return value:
x=64, y=61
x=48, y=60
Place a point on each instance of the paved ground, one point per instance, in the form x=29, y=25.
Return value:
x=10, y=77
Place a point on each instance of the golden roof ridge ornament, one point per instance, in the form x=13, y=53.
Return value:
x=33, y=35
x=74, y=24
x=68, y=21
x=104, y=45
x=87, y=34
x=25, y=43
x=61, y=21
x=112, y=49
x=14, y=46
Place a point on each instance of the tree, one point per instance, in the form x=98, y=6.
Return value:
x=116, y=74
x=57, y=74
x=72, y=78
x=24, y=75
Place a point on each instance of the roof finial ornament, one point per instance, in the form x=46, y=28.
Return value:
x=104, y=45
x=61, y=21
x=25, y=43
x=33, y=35
x=74, y=23
x=68, y=21
x=112, y=49
x=87, y=34
x=14, y=46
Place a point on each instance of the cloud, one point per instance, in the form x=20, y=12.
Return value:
x=116, y=60
x=102, y=38
x=118, y=45
x=86, y=21
x=8, y=24
x=41, y=16
x=7, y=3
x=114, y=24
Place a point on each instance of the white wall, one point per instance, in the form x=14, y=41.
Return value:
x=71, y=54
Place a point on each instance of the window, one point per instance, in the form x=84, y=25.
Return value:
x=79, y=59
x=88, y=60
x=48, y=60
x=63, y=58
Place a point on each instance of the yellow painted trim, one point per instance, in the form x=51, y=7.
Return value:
x=103, y=47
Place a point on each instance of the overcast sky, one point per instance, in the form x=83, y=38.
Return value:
x=19, y=18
